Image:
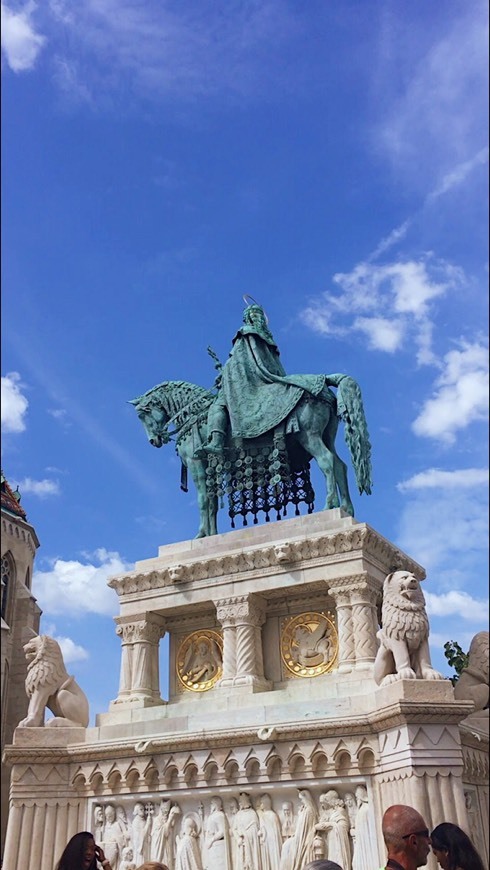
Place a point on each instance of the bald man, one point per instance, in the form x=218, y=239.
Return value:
x=407, y=838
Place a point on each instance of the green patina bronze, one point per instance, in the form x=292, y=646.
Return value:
x=252, y=438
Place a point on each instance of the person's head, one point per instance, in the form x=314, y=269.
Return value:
x=216, y=804
x=406, y=836
x=127, y=853
x=330, y=798
x=349, y=800
x=322, y=864
x=454, y=849
x=152, y=865
x=265, y=802
x=110, y=813
x=361, y=794
x=232, y=806
x=98, y=815
x=287, y=809
x=79, y=853
x=189, y=826
x=139, y=810
x=121, y=814
x=165, y=807
x=244, y=800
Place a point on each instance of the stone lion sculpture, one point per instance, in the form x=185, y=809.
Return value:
x=403, y=653
x=473, y=684
x=49, y=685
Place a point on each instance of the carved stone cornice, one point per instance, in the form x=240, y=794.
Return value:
x=272, y=558
x=398, y=714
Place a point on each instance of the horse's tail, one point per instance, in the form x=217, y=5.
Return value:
x=350, y=409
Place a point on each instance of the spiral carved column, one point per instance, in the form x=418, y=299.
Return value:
x=364, y=621
x=242, y=649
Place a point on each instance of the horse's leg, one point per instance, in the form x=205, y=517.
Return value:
x=198, y=474
x=313, y=419
x=339, y=466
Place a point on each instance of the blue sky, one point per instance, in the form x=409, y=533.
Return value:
x=161, y=159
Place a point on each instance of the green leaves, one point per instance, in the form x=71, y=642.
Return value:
x=458, y=659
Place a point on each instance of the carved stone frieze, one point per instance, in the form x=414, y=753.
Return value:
x=295, y=552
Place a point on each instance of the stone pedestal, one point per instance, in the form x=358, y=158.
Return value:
x=253, y=706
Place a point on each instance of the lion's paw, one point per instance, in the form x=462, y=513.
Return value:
x=431, y=674
x=406, y=674
x=389, y=679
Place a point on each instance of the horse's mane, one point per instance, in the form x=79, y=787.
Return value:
x=176, y=397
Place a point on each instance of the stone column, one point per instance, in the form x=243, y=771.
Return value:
x=355, y=598
x=139, y=680
x=364, y=593
x=341, y=596
x=241, y=619
x=225, y=612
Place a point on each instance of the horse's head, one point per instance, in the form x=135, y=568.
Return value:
x=154, y=418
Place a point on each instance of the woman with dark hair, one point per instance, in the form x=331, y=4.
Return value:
x=454, y=849
x=82, y=853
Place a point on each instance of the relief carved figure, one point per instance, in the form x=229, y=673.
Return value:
x=334, y=823
x=127, y=862
x=163, y=833
x=403, y=653
x=98, y=822
x=217, y=838
x=312, y=648
x=113, y=837
x=188, y=855
x=298, y=850
x=247, y=828
x=288, y=820
x=270, y=833
x=365, y=852
x=48, y=684
x=140, y=830
x=232, y=808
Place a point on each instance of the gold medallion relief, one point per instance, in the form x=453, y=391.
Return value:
x=309, y=644
x=200, y=660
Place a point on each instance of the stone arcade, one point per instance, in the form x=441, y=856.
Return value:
x=276, y=745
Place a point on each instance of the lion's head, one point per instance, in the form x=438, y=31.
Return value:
x=45, y=666
x=478, y=655
x=403, y=614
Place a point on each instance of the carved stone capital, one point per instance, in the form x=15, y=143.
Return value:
x=248, y=609
x=149, y=629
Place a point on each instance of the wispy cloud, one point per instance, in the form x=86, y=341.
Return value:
x=434, y=117
x=458, y=174
x=40, y=488
x=75, y=588
x=21, y=42
x=162, y=50
x=436, y=478
x=14, y=403
x=385, y=302
x=460, y=396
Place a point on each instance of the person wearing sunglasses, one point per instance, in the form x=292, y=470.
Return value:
x=406, y=837
x=454, y=849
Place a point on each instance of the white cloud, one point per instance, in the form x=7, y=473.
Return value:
x=14, y=403
x=456, y=603
x=437, y=639
x=40, y=488
x=436, y=478
x=77, y=588
x=383, y=334
x=387, y=303
x=21, y=43
x=460, y=397
x=72, y=652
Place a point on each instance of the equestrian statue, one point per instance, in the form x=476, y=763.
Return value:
x=252, y=437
